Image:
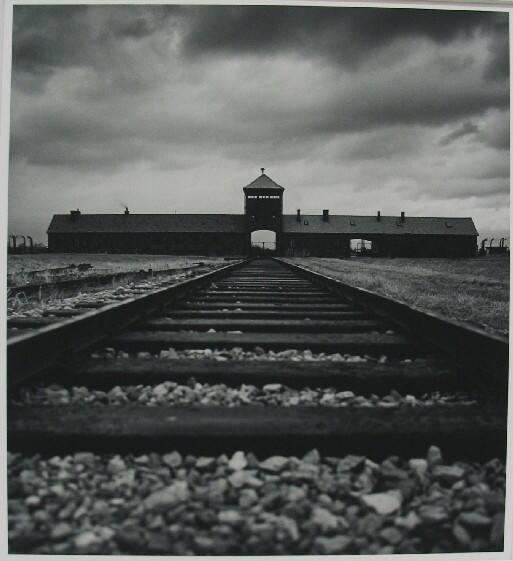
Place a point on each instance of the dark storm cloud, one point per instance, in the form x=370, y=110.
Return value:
x=246, y=121
x=135, y=29
x=47, y=38
x=68, y=138
x=141, y=20
x=50, y=36
x=348, y=35
x=428, y=104
x=498, y=62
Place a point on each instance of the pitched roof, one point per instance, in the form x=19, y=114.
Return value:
x=236, y=223
x=264, y=182
x=145, y=223
x=361, y=225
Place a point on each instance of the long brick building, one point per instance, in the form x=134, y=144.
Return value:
x=323, y=235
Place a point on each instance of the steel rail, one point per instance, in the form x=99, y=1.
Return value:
x=475, y=354
x=31, y=354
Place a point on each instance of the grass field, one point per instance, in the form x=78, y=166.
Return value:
x=48, y=266
x=472, y=290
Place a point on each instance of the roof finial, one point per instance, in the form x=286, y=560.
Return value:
x=263, y=169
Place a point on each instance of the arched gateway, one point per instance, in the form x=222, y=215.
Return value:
x=320, y=235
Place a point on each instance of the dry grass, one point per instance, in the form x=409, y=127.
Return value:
x=470, y=290
x=47, y=267
x=57, y=297
x=24, y=269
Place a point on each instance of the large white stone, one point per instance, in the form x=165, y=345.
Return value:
x=383, y=503
x=324, y=519
x=238, y=461
x=170, y=496
x=332, y=546
x=274, y=464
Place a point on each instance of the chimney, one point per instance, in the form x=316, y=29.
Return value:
x=298, y=217
x=74, y=214
x=127, y=212
x=378, y=217
x=402, y=216
x=326, y=215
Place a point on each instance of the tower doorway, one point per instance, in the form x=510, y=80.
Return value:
x=263, y=242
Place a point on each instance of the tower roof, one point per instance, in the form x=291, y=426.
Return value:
x=264, y=182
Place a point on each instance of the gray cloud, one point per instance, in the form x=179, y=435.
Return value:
x=466, y=129
x=71, y=127
x=388, y=143
x=494, y=130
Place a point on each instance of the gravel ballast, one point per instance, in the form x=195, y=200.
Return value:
x=193, y=393
x=240, y=504
x=19, y=306
x=238, y=353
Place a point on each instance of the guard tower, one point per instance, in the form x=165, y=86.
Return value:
x=263, y=204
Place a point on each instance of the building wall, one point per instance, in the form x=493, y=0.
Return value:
x=288, y=244
x=426, y=246
x=188, y=243
x=338, y=245
x=314, y=245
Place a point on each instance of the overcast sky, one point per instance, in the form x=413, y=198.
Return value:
x=176, y=108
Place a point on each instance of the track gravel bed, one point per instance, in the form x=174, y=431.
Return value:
x=238, y=353
x=171, y=393
x=20, y=307
x=242, y=505
x=206, y=397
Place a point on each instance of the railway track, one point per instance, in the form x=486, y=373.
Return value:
x=344, y=340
